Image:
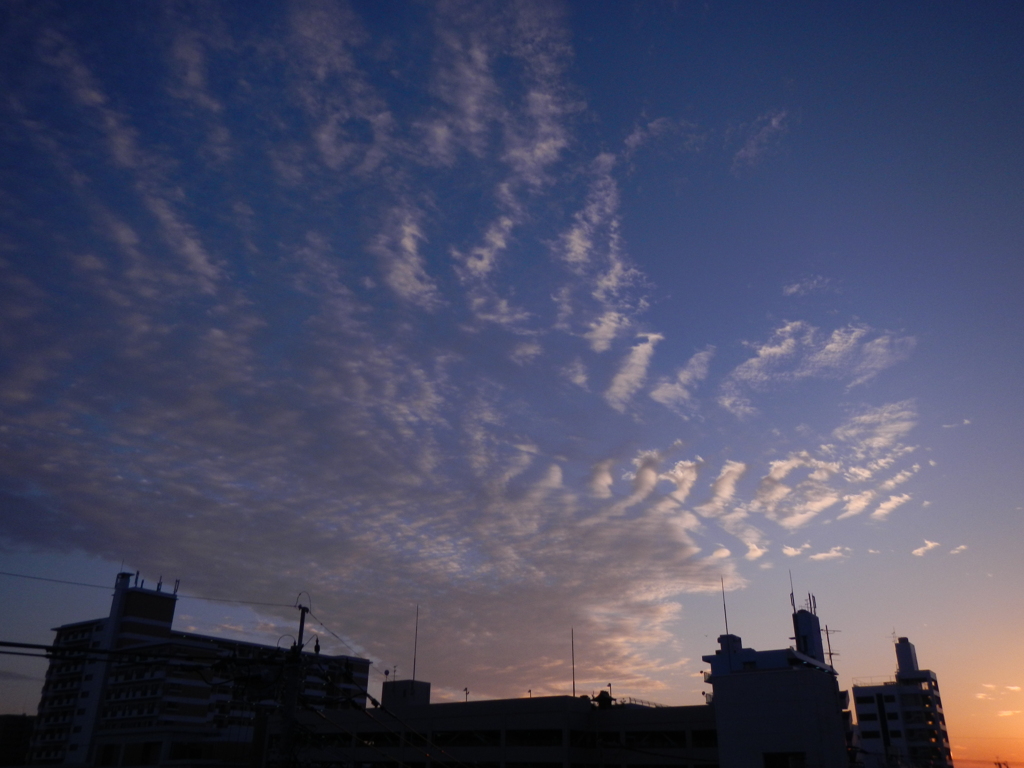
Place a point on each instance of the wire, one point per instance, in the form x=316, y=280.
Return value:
x=180, y=597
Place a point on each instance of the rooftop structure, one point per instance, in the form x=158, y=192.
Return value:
x=901, y=722
x=780, y=708
x=128, y=690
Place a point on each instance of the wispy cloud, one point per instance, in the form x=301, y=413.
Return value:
x=964, y=423
x=928, y=547
x=789, y=551
x=632, y=372
x=762, y=139
x=398, y=248
x=856, y=503
x=815, y=284
x=677, y=394
x=958, y=550
x=798, y=351
x=836, y=553
x=886, y=507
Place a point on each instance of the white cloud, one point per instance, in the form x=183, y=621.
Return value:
x=763, y=138
x=833, y=554
x=482, y=259
x=876, y=432
x=632, y=372
x=576, y=372
x=1008, y=712
x=397, y=247
x=601, y=479
x=683, y=475
x=886, y=507
x=798, y=351
x=964, y=423
x=525, y=352
x=789, y=551
x=928, y=547
x=723, y=489
x=678, y=395
x=814, y=284
x=958, y=550
x=899, y=478
x=856, y=503
x=604, y=329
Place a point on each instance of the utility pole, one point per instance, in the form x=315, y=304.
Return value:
x=292, y=684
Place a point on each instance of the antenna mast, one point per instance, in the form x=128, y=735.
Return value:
x=792, y=598
x=415, y=641
x=828, y=632
x=725, y=612
x=572, y=646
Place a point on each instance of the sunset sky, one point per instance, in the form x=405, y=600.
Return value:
x=539, y=316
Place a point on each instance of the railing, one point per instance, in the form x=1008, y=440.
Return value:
x=629, y=700
x=876, y=680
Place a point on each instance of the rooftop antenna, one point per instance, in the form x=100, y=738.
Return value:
x=415, y=641
x=828, y=632
x=725, y=612
x=572, y=649
x=177, y=583
x=792, y=597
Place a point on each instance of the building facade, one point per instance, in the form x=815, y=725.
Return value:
x=538, y=732
x=128, y=690
x=781, y=708
x=900, y=721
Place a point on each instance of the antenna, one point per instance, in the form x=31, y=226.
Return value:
x=724, y=611
x=177, y=583
x=828, y=632
x=572, y=648
x=792, y=598
x=415, y=642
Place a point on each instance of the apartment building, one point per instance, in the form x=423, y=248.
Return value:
x=129, y=690
x=901, y=721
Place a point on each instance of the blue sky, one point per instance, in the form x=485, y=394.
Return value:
x=536, y=315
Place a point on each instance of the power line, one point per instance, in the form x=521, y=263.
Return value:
x=181, y=597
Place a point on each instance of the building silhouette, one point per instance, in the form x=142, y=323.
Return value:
x=781, y=708
x=901, y=721
x=128, y=690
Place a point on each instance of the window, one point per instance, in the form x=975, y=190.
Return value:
x=893, y=715
x=379, y=739
x=870, y=735
x=896, y=734
x=785, y=760
x=866, y=717
x=533, y=738
x=889, y=699
x=865, y=699
x=705, y=739
x=656, y=739
x=467, y=738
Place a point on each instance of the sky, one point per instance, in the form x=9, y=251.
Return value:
x=546, y=318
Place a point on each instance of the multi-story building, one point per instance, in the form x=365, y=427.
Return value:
x=129, y=690
x=769, y=709
x=901, y=721
x=780, y=708
x=537, y=732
